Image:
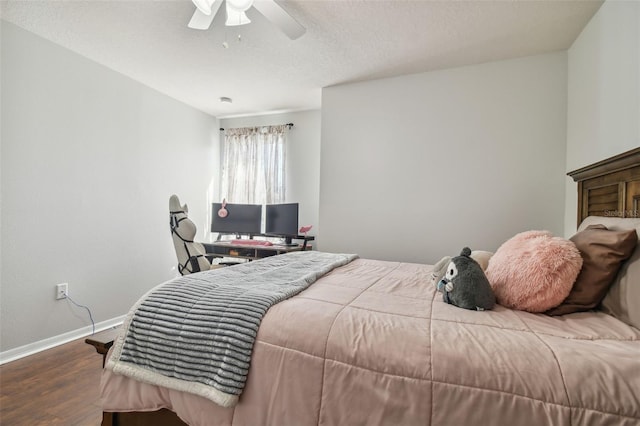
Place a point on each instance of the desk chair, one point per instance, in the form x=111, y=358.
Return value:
x=191, y=255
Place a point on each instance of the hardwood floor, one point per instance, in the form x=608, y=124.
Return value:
x=59, y=386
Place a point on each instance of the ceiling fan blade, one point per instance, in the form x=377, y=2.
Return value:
x=201, y=21
x=280, y=18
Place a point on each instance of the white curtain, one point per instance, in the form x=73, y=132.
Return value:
x=253, y=170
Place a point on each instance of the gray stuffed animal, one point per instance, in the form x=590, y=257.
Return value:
x=439, y=269
x=465, y=285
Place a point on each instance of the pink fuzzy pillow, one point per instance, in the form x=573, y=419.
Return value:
x=534, y=271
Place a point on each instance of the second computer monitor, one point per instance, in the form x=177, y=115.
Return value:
x=281, y=220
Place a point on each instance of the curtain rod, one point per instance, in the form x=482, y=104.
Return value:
x=288, y=124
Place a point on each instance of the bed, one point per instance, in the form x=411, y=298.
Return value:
x=372, y=343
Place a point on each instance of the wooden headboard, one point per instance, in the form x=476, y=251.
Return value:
x=610, y=187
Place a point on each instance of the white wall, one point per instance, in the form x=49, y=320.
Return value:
x=604, y=92
x=89, y=160
x=303, y=159
x=416, y=167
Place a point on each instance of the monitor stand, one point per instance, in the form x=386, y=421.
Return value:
x=288, y=242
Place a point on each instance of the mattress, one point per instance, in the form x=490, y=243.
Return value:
x=372, y=342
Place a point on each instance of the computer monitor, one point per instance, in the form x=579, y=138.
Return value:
x=241, y=219
x=281, y=220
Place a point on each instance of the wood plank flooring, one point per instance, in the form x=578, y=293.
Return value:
x=59, y=386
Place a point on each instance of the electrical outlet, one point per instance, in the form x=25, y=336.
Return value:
x=61, y=291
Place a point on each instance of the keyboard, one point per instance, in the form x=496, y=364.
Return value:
x=251, y=243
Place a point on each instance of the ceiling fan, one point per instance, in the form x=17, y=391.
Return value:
x=207, y=9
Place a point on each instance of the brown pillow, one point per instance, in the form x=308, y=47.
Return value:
x=603, y=252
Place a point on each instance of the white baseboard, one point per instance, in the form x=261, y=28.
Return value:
x=35, y=347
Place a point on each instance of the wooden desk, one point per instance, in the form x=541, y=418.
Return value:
x=249, y=252
x=252, y=252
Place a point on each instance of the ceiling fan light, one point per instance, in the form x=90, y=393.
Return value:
x=235, y=18
x=239, y=5
x=203, y=6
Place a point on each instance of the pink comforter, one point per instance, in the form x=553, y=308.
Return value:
x=372, y=343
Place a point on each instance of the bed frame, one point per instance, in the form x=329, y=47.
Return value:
x=162, y=417
x=607, y=188
x=610, y=187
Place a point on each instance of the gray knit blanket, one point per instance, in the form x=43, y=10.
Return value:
x=196, y=333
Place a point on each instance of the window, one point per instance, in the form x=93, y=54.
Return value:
x=253, y=170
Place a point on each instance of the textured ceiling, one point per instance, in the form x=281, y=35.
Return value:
x=346, y=41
